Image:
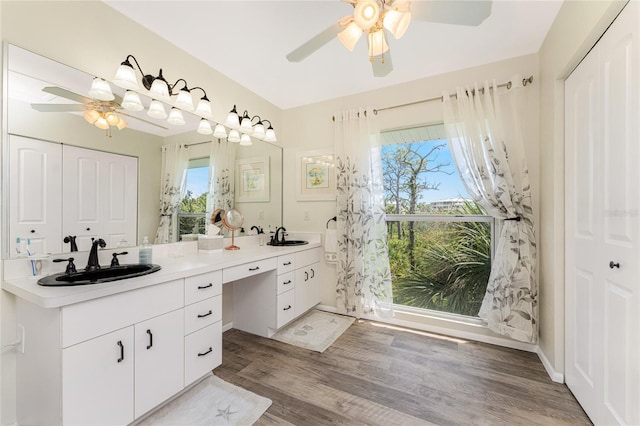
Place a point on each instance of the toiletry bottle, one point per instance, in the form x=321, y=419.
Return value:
x=261, y=236
x=18, y=247
x=145, y=251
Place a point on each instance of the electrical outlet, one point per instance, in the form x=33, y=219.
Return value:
x=261, y=215
x=307, y=215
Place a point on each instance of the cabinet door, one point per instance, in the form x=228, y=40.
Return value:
x=34, y=200
x=81, y=195
x=97, y=380
x=159, y=360
x=302, y=286
x=314, y=285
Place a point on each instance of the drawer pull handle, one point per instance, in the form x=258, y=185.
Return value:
x=286, y=264
x=205, y=315
x=121, y=351
x=287, y=308
x=286, y=282
x=207, y=352
x=313, y=273
x=306, y=276
x=202, y=287
x=254, y=269
x=150, y=345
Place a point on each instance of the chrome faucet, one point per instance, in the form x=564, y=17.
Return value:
x=93, y=264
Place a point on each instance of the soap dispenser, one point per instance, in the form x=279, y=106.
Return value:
x=145, y=251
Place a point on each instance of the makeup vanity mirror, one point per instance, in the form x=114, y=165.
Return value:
x=26, y=74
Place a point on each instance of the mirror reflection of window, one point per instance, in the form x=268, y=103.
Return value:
x=192, y=215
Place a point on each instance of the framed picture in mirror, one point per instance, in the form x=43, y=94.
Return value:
x=252, y=180
x=316, y=176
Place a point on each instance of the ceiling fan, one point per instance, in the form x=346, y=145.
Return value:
x=374, y=17
x=102, y=114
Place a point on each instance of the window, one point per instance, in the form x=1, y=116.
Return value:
x=193, y=207
x=440, y=241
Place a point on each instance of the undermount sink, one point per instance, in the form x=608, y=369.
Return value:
x=102, y=275
x=289, y=243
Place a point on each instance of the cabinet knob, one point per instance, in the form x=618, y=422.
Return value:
x=88, y=229
x=33, y=231
x=614, y=265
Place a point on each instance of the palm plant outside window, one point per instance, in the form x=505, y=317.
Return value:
x=193, y=207
x=440, y=241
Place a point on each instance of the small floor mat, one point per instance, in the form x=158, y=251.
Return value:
x=315, y=331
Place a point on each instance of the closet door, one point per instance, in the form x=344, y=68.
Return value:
x=602, y=226
x=35, y=169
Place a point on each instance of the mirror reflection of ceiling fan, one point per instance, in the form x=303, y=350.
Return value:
x=102, y=114
x=374, y=17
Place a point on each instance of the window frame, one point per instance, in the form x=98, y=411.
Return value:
x=194, y=163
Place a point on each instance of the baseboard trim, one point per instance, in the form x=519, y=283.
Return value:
x=553, y=374
x=228, y=326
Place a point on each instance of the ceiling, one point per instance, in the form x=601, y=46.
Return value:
x=248, y=40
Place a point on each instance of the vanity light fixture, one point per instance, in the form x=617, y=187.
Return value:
x=156, y=110
x=176, y=118
x=234, y=136
x=204, y=128
x=159, y=87
x=245, y=140
x=220, y=131
x=101, y=90
x=131, y=101
x=246, y=126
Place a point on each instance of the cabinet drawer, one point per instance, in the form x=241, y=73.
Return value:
x=85, y=320
x=202, y=314
x=285, y=308
x=248, y=269
x=200, y=287
x=307, y=257
x=202, y=352
x=285, y=282
x=286, y=263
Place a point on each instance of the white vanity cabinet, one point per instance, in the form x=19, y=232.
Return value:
x=266, y=302
x=109, y=360
x=35, y=204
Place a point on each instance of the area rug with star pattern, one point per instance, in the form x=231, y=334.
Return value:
x=315, y=331
x=211, y=402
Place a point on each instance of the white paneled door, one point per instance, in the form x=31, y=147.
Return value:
x=602, y=161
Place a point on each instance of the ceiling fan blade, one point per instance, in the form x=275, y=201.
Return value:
x=59, y=91
x=457, y=12
x=314, y=44
x=143, y=120
x=381, y=69
x=58, y=107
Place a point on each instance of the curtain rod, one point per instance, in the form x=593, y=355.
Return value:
x=198, y=143
x=508, y=85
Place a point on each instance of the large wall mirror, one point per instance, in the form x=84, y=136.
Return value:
x=28, y=79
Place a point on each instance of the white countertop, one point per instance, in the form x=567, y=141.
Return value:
x=172, y=269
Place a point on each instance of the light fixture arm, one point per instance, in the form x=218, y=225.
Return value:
x=203, y=91
x=173, y=86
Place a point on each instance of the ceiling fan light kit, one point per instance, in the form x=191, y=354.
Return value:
x=374, y=17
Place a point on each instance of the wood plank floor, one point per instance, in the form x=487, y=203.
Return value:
x=382, y=375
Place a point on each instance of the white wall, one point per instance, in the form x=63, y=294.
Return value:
x=310, y=128
x=576, y=29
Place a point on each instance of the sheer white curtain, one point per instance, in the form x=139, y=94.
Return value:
x=364, y=276
x=487, y=145
x=175, y=160
x=221, y=176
